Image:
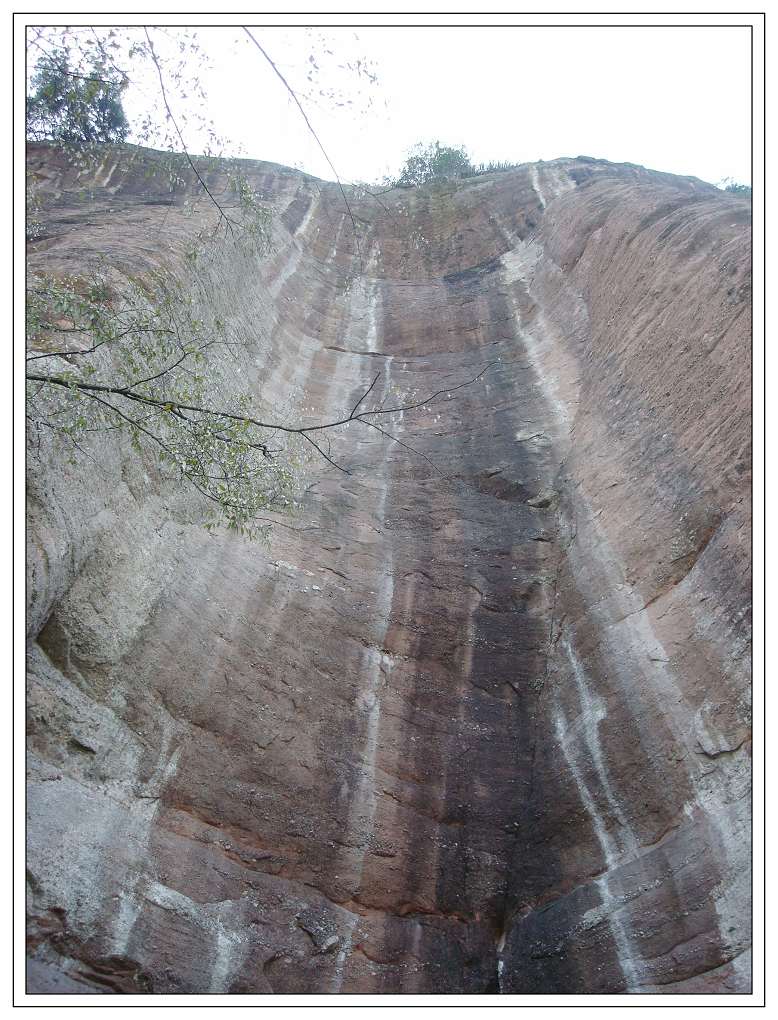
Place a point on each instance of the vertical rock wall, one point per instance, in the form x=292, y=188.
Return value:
x=476, y=720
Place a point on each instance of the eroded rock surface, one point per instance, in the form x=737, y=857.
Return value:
x=477, y=719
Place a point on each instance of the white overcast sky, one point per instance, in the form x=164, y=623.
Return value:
x=674, y=99
x=670, y=98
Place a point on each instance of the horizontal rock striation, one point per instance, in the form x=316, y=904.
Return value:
x=477, y=718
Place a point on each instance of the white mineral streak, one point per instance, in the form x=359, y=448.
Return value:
x=633, y=650
x=593, y=711
x=285, y=388
x=312, y=208
x=375, y=668
x=147, y=807
x=331, y=258
x=519, y=266
x=293, y=246
x=415, y=953
x=473, y=602
x=500, y=961
x=223, y=963
x=533, y=176
x=580, y=743
x=288, y=269
x=208, y=918
x=107, y=179
x=555, y=181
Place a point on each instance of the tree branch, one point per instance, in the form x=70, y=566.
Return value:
x=323, y=454
x=429, y=399
x=399, y=442
x=131, y=394
x=194, y=169
x=178, y=407
x=91, y=350
x=364, y=395
x=92, y=77
x=291, y=92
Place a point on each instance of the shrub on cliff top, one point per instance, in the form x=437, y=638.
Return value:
x=739, y=189
x=436, y=162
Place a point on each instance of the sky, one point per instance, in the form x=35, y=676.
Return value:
x=670, y=98
x=674, y=99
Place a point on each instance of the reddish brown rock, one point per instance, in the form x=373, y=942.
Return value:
x=472, y=723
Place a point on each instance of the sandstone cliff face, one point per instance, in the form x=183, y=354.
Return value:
x=474, y=721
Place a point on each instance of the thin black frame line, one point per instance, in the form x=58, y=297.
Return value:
x=562, y=14
x=157, y=24
x=13, y=613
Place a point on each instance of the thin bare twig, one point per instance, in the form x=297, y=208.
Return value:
x=107, y=56
x=91, y=350
x=433, y=396
x=194, y=169
x=323, y=454
x=399, y=442
x=365, y=394
x=292, y=93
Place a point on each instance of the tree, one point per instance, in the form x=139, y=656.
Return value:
x=143, y=362
x=434, y=162
x=75, y=108
x=141, y=366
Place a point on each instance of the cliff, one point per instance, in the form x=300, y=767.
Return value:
x=476, y=719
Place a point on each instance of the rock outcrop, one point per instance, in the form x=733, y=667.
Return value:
x=477, y=718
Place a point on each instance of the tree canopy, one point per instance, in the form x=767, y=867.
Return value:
x=73, y=107
x=739, y=189
x=434, y=162
x=148, y=360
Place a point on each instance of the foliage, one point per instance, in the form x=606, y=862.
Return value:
x=143, y=362
x=150, y=361
x=142, y=365
x=247, y=224
x=738, y=189
x=434, y=162
x=33, y=207
x=494, y=167
x=75, y=107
